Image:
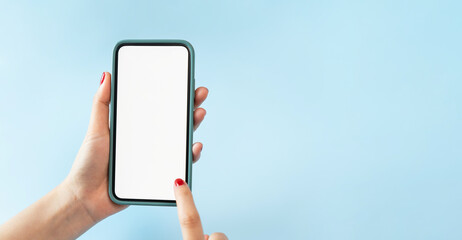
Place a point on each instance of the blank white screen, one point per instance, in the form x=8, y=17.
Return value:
x=151, y=124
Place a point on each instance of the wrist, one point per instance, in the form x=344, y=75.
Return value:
x=90, y=201
x=57, y=215
x=71, y=210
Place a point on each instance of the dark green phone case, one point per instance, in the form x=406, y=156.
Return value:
x=191, y=87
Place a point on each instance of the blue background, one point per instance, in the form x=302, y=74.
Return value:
x=325, y=119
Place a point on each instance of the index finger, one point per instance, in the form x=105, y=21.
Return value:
x=190, y=221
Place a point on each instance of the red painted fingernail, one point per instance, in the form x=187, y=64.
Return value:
x=102, y=78
x=179, y=182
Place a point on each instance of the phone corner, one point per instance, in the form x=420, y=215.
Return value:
x=114, y=198
x=187, y=45
x=120, y=44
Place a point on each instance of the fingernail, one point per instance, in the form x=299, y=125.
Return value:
x=179, y=182
x=102, y=78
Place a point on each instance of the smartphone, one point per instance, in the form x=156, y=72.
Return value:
x=151, y=127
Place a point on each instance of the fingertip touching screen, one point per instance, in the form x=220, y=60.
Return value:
x=151, y=147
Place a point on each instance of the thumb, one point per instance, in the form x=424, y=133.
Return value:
x=99, y=120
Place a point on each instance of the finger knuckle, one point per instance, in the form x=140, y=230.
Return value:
x=190, y=220
x=95, y=98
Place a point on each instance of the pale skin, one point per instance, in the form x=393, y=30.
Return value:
x=82, y=199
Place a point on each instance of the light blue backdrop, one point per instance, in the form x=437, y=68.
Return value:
x=325, y=119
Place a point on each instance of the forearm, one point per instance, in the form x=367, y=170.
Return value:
x=58, y=215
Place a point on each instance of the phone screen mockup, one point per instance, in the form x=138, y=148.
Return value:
x=151, y=146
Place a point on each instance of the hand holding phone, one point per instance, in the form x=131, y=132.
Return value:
x=88, y=178
x=82, y=199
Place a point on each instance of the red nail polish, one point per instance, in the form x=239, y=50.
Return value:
x=179, y=182
x=102, y=78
